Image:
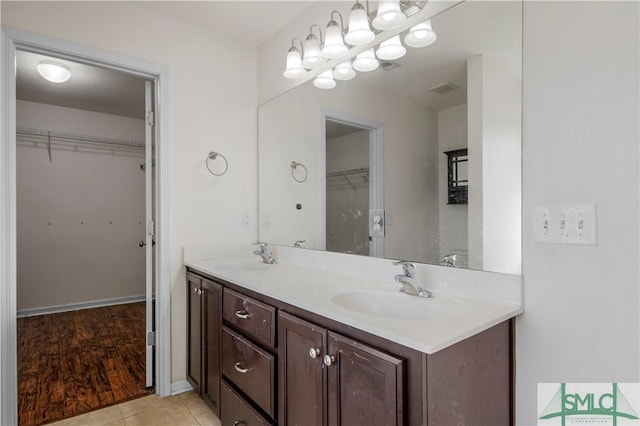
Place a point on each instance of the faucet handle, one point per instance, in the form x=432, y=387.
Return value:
x=263, y=246
x=408, y=268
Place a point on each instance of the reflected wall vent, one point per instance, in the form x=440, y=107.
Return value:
x=444, y=88
x=388, y=65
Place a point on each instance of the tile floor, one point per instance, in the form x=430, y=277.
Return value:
x=183, y=409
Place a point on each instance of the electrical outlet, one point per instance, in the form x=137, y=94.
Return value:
x=246, y=219
x=376, y=223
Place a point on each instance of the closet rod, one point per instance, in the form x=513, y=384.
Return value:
x=45, y=135
x=362, y=170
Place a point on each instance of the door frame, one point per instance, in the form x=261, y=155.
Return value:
x=12, y=39
x=376, y=169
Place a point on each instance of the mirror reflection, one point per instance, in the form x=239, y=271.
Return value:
x=417, y=160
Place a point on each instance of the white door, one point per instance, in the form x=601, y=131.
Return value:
x=149, y=238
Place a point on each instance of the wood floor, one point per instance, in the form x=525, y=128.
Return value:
x=74, y=362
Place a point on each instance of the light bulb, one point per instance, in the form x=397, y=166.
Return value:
x=312, y=57
x=333, y=44
x=391, y=49
x=294, y=64
x=359, y=31
x=54, y=72
x=366, y=61
x=389, y=15
x=325, y=80
x=421, y=35
x=344, y=71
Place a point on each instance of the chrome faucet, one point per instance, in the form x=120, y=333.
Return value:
x=265, y=253
x=299, y=243
x=409, y=281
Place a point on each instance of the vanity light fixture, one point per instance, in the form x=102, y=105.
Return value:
x=389, y=15
x=344, y=71
x=311, y=57
x=366, y=61
x=294, y=61
x=325, y=80
x=421, y=35
x=391, y=49
x=359, y=30
x=53, y=71
x=333, y=43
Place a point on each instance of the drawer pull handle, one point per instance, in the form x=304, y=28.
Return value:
x=329, y=360
x=243, y=314
x=239, y=368
x=314, y=352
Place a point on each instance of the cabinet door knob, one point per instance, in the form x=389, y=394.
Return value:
x=314, y=352
x=239, y=422
x=243, y=314
x=329, y=360
x=239, y=368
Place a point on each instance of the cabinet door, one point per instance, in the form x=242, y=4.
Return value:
x=212, y=312
x=365, y=385
x=302, y=378
x=194, y=332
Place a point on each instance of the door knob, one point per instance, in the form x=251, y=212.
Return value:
x=329, y=360
x=141, y=243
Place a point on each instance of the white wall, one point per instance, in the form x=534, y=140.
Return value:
x=581, y=304
x=452, y=134
x=80, y=216
x=212, y=106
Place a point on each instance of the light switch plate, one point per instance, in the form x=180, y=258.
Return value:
x=567, y=224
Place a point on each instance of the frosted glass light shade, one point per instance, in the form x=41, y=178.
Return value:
x=366, y=61
x=54, y=72
x=333, y=44
x=359, y=30
x=391, y=49
x=344, y=71
x=421, y=35
x=389, y=15
x=312, y=57
x=325, y=80
x=294, y=65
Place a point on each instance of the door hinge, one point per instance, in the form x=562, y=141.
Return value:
x=151, y=228
x=150, y=118
x=151, y=338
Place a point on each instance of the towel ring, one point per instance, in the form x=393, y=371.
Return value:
x=212, y=156
x=295, y=164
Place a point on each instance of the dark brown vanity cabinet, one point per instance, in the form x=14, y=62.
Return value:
x=327, y=378
x=204, y=320
x=259, y=361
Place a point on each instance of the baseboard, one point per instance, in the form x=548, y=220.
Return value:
x=181, y=386
x=78, y=306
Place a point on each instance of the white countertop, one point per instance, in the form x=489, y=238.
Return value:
x=427, y=324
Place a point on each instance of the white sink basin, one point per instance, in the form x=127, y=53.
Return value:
x=244, y=265
x=390, y=304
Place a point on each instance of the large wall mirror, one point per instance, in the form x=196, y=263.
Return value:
x=367, y=167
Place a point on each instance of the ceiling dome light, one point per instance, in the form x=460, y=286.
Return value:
x=389, y=15
x=391, y=49
x=366, y=61
x=294, y=64
x=333, y=44
x=421, y=35
x=54, y=72
x=312, y=57
x=344, y=71
x=325, y=80
x=359, y=31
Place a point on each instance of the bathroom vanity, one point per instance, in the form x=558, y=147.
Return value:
x=299, y=343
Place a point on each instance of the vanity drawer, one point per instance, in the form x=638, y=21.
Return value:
x=254, y=318
x=236, y=411
x=250, y=368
